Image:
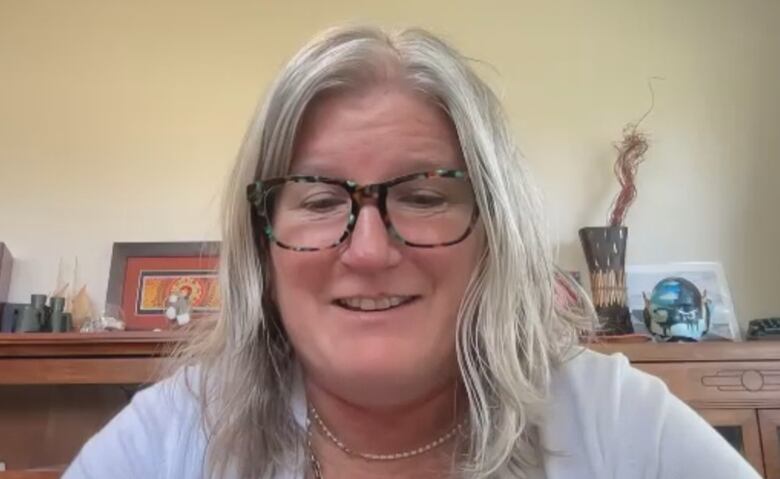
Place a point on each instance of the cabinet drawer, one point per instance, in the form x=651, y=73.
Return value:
x=748, y=384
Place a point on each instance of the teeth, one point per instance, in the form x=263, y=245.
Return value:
x=353, y=303
x=370, y=304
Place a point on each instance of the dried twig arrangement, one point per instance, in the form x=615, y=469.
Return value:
x=631, y=152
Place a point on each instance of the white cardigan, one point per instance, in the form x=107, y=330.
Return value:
x=606, y=420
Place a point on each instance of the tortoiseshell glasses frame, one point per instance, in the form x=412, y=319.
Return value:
x=258, y=192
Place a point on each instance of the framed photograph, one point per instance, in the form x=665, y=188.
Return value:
x=708, y=278
x=146, y=280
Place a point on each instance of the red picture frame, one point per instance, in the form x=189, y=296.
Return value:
x=143, y=275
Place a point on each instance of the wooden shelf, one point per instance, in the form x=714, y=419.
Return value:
x=85, y=358
x=32, y=474
x=694, y=352
x=42, y=345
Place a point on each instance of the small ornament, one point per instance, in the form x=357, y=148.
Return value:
x=677, y=311
x=179, y=307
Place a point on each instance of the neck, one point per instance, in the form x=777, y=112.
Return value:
x=391, y=428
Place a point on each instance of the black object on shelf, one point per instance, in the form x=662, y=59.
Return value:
x=765, y=328
x=9, y=314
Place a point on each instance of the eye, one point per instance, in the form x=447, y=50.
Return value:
x=423, y=199
x=323, y=203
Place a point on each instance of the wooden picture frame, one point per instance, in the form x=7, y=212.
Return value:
x=142, y=275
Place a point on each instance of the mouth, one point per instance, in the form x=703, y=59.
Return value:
x=374, y=304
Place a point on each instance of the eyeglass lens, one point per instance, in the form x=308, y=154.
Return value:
x=423, y=211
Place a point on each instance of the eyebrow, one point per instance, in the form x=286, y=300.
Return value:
x=316, y=167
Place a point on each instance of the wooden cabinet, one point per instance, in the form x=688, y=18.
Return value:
x=56, y=390
x=740, y=428
x=769, y=423
x=734, y=386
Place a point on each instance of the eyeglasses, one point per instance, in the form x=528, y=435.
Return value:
x=311, y=213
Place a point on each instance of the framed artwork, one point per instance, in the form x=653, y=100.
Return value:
x=708, y=278
x=145, y=277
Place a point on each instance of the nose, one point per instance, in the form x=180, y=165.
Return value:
x=370, y=247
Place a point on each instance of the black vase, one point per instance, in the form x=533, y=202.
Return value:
x=605, y=252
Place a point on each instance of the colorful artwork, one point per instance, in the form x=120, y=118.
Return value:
x=156, y=287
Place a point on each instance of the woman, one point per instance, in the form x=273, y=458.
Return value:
x=389, y=305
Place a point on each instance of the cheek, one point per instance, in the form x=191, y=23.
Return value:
x=296, y=275
x=451, y=269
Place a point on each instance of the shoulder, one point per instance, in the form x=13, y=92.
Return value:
x=180, y=391
x=611, y=420
x=593, y=375
x=168, y=404
x=597, y=405
x=604, y=394
x=158, y=434
x=606, y=389
x=581, y=360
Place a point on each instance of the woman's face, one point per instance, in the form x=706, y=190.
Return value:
x=396, y=354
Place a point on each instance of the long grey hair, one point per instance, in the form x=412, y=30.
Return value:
x=511, y=330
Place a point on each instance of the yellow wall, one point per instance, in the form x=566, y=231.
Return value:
x=119, y=119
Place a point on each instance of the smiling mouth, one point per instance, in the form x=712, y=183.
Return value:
x=374, y=304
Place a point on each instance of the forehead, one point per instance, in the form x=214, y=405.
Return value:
x=375, y=133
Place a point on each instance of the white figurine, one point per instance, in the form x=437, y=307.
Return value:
x=179, y=306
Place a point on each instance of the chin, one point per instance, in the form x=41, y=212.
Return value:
x=386, y=379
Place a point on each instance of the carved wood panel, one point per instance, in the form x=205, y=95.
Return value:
x=721, y=384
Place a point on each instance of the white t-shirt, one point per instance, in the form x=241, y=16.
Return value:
x=607, y=420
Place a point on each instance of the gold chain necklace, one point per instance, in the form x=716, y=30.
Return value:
x=317, y=469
